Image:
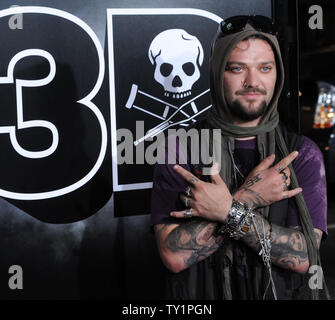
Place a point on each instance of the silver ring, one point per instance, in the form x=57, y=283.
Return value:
x=188, y=213
x=280, y=169
x=285, y=177
x=187, y=202
x=286, y=186
x=188, y=191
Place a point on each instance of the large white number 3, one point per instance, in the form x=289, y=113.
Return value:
x=85, y=102
x=21, y=124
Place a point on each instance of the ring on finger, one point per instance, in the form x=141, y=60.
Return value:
x=188, y=191
x=284, y=175
x=187, y=202
x=188, y=213
x=280, y=169
x=285, y=186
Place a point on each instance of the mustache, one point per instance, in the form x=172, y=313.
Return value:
x=250, y=90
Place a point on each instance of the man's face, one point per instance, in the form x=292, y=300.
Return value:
x=249, y=79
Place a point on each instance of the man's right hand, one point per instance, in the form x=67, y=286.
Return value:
x=266, y=185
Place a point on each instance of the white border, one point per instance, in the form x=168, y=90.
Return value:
x=144, y=11
x=86, y=101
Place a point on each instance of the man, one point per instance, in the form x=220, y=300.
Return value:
x=250, y=232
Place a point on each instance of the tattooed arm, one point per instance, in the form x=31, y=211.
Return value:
x=288, y=245
x=182, y=245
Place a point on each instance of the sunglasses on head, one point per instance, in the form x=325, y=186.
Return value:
x=238, y=23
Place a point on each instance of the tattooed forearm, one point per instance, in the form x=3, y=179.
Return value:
x=317, y=234
x=159, y=229
x=196, y=238
x=288, y=246
x=251, y=237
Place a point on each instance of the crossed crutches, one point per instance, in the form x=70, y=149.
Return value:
x=168, y=108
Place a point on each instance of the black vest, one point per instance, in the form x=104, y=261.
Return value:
x=205, y=281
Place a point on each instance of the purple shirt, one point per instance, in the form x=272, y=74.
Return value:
x=308, y=167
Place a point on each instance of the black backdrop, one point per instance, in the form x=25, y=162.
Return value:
x=75, y=230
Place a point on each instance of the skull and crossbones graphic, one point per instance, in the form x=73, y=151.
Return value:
x=177, y=57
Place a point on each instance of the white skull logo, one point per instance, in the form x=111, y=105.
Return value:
x=177, y=57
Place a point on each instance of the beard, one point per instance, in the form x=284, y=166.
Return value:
x=241, y=113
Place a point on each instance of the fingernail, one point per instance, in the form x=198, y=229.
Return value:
x=175, y=166
x=295, y=153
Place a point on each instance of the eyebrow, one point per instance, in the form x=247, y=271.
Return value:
x=243, y=64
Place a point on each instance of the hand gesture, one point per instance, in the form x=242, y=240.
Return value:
x=266, y=185
x=210, y=201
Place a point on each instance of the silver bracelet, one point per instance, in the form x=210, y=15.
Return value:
x=238, y=221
